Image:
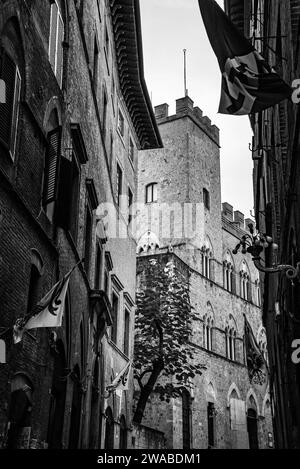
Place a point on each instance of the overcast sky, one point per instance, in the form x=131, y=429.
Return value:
x=169, y=26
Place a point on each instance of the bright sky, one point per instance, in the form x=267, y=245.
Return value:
x=169, y=26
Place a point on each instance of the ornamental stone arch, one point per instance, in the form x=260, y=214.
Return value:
x=266, y=401
x=233, y=389
x=53, y=105
x=211, y=395
x=252, y=401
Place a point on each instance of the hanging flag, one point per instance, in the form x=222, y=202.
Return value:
x=249, y=84
x=257, y=366
x=121, y=380
x=47, y=313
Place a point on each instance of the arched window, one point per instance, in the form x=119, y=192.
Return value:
x=186, y=419
x=208, y=327
x=228, y=273
x=109, y=429
x=230, y=339
x=151, y=193
x=56, y=38
x=245, y=283
x=123, y=433
x=148, y=242
x=207, y=259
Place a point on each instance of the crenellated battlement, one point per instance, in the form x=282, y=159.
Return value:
x=185, y=106
x=236, y=219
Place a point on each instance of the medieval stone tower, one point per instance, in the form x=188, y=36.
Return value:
x=181, y=215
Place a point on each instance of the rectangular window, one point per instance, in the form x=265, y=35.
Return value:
x=113, y=93
x=211, y=424
x=33, y=297
x=130, y=202
x=206, y=199
x=98, y=267
x=88, y=237
x=126, y=333
x=75, y=190
x=10, y=76
x=119, y=185
x=115, y=312
x=104, y=118
x=121, y=123
x=111, y=150
x=151, y=193
x=95, y=65
x=56, y=42
x=131, y=150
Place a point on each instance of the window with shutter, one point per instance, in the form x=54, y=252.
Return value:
x=64, y=194
x=52, y=166
x=9, y=114
x=56, y=42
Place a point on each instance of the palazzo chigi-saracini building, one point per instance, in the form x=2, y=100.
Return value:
x=220, y=408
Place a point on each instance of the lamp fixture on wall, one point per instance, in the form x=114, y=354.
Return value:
x=254, y=244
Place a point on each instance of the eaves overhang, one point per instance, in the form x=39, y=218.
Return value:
x=126, y=22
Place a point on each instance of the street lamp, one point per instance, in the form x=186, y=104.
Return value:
x=254, y=244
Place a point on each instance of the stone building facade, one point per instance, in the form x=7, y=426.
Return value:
x=181, y=219
x=76, y=112
x=276, y=149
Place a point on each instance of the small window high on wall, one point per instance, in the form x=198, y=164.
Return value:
x=206, y=199
x=10, y=74
x=151, y=193
x=56, y=41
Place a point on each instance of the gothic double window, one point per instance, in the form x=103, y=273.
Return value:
x=230, y=339
x=228, y=273
x=207, y=260
x=245, y=283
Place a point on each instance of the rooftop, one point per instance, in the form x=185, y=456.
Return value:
x=128, y=41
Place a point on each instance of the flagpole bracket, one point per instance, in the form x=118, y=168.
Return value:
x=290, y=271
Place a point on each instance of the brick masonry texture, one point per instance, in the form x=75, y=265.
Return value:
x=24, y=225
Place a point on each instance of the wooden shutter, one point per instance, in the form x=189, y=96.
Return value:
x=52, y=165
x=8, y=74
x=62, y=209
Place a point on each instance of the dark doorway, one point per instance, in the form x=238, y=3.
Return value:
x=94, y=416
x=58, y=398
x=211, y=424
x=186, y=419
x=123, y=433
x=252, y=429
x=109, y=429
x=76, y=411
